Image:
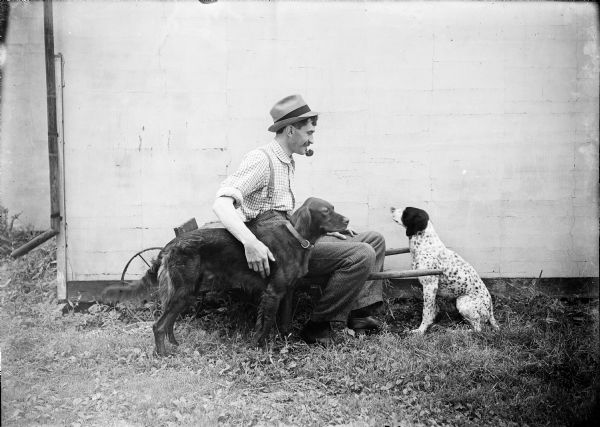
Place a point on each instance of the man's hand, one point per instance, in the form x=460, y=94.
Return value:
x=350, y=232
x=258, y=256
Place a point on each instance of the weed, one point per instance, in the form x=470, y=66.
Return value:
x=12, y=232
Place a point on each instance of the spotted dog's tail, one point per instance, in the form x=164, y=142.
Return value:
x=141, y=290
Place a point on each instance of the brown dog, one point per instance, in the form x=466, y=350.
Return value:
x=213, y=256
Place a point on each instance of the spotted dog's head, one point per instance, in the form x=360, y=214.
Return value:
x=413, y=219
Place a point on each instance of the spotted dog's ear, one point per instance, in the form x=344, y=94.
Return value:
x=415, y=220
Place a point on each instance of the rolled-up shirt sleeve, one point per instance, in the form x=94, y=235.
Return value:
x=252, y=175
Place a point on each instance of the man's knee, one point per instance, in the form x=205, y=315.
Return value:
x=364, y=254
x=374, y=239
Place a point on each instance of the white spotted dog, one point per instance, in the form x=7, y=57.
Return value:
x=459, y=279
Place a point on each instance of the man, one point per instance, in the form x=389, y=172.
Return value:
x=348, y=259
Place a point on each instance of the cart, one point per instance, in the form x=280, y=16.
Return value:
x=140, y=262
x=137, y=265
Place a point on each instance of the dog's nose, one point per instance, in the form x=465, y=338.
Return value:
x=345, y=220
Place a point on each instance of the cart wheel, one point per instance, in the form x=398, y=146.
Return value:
x=139, y=264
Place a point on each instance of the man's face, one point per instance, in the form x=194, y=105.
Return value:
x=301, y=139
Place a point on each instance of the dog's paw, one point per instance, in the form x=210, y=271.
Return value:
x=417, y=331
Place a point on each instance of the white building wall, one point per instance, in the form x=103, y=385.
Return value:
x=24, y=176
x=484, y=114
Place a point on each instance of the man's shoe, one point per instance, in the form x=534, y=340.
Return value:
x=317, y=333
x=362, y=325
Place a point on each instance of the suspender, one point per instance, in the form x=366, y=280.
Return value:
x=271, y=215
x=271, y=187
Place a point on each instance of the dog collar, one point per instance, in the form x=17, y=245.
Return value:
x=303, y=242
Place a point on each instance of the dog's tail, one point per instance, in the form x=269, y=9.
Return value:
x=179, y=275
x=492, y=319
x=166, y=288
x=142, y=290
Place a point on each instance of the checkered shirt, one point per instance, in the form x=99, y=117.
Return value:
x=248, y=186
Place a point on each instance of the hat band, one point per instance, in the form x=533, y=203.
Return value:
x=294, y=113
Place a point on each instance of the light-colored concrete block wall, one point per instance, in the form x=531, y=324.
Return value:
x=24, y=177
x=485, y=114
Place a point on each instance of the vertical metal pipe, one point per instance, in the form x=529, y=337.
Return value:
x=52, y=122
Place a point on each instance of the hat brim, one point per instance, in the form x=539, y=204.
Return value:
x=276, y=126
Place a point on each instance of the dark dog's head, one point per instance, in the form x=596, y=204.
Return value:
x=316, y=217
x=414, y=219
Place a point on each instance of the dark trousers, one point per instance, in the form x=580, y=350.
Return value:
x=348, y=262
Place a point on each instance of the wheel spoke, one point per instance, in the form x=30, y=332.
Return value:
x=144, y=259
x=153, y=251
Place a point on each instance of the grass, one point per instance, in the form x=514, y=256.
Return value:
x=65, y=366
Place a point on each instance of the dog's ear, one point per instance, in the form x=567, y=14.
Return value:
x=415, y=220
x=301, y=220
